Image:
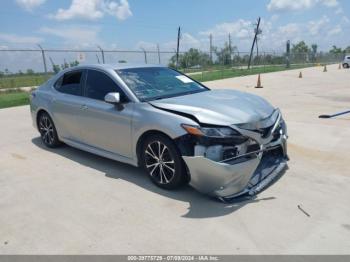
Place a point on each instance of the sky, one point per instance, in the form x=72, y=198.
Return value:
x=135, y=24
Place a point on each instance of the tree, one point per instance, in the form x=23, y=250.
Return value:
x=193, y=57
x=314, y=52
x=300, y=48
x=74, y=63
x=56, y=68
x=30, y=72
x=2, y=73
x=314, y=48
x=65, y=65
x=336, y=50
x=224, y=54
x=347, y=50
x=300, y=52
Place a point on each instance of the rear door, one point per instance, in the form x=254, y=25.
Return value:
x=67, y=105
x=106, y=126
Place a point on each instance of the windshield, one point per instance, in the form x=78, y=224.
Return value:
x=150, y=83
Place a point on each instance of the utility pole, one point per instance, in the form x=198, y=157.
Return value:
x=98, y=59
x=178, y=46
x=288, y=54
x=211, y=47
x=52, y=63
x=44, y=59
x=230, y=46
x=257, y=31
x=158, y=53
x=102, y=53
x=145, y=54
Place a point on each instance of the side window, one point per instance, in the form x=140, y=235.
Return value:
x=70, y=83
x=98, y=85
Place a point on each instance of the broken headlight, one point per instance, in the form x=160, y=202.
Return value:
x=210, y=131
x=215, y=135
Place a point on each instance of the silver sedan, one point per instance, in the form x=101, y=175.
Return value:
x=224, y=143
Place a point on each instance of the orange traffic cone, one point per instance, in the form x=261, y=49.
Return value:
x=325, y=68
x=300, y=75
x=258, y=85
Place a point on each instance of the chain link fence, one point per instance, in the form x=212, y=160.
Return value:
x=27, y=68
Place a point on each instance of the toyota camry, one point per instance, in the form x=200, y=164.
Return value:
x=224, y=143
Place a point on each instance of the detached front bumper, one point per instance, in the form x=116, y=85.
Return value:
x=244, y=175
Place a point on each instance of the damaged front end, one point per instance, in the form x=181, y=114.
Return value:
x=227, y=162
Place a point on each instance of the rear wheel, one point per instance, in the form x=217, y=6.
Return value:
x=162, y=161
x=346, y=65
x=48, y=131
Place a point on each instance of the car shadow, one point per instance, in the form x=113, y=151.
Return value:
x=200, y=205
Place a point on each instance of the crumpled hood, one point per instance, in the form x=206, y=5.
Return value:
x=219, y=107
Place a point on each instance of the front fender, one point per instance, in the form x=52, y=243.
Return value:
x=148, y=118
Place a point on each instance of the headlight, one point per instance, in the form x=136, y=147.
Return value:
x=217, y=132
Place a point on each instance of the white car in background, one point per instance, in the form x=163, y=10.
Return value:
x=346, y=62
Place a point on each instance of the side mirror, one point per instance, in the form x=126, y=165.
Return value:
x=112, y=98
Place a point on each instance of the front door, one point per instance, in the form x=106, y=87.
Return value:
x=105, y=126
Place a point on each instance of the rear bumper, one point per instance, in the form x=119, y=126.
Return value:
x=244, y=176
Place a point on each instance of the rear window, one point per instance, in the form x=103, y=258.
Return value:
x=70, y=83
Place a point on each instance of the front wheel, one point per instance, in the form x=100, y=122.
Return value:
x=163, y=163
x=346, y=65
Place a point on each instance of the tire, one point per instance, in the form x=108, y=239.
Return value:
x=163, y=163
x=48, y=131
x=346, y=65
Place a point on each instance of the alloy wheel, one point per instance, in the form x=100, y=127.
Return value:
x=46, y=130
x=159, y=162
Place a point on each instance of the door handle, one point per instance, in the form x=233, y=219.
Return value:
x=84, y=107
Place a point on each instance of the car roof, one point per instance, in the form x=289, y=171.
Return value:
x=114, y=66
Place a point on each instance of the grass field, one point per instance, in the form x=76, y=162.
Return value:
x=234, y=72
x=10, y=99
x=22, y=80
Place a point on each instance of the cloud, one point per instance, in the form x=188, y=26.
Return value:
x=315, y=27
x=335, y=31
x=345, y=20
x=274, y=36
x=74, y=35
x=339, y=11
x=295, y=5
x=241, y=29
x=330, y=3
x=120, y=10
x=16, y=39
x=187, y=41
x=149, y=46
x=30, y=4
x=94, y=9
x=289, y=30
